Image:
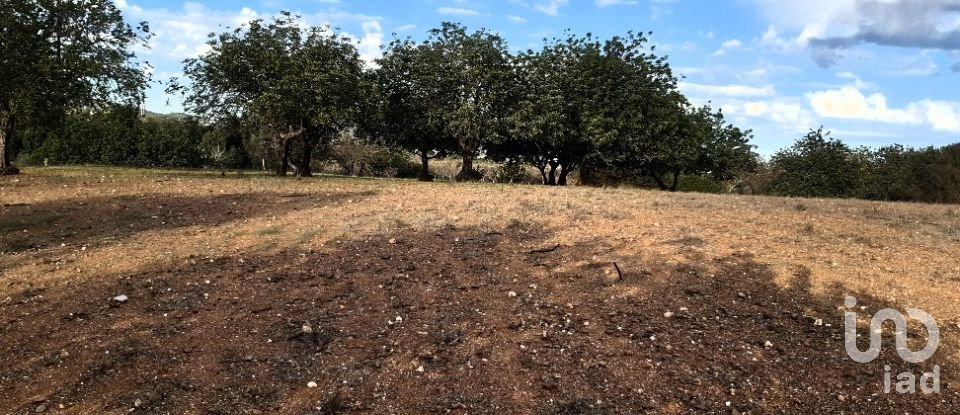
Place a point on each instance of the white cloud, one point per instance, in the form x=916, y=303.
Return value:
x=943, y=115
x=792, y=115
x=370, y=43
x=457, y=11
x=728, y=46
x=550, y=7
x=730, y=90
x=850, y=103
x=831, y=26
x=516, y=19
x=606, y=3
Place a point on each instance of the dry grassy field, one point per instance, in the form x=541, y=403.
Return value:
x=187, y=292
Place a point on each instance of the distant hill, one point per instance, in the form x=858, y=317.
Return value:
x=173, y=115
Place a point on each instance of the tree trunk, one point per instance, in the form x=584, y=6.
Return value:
x=425, y=175
x=284, y=156
x=6, y=136
x=676, y=181
x=467, y=172
x=283, y=143
x=309, y=143
x=552, y=177
x=565, y=170
x=543, y=173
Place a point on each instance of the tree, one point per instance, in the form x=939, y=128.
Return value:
x=412, y=90
x=577, y=95
x=60, y=55
x=475, y=69
x=286, y=81
x=727, y=154
x=818, y=166
x=535, y=127
x=641, y=124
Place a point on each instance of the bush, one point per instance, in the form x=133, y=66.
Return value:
x=511, y=172
x=169, y=142
x=117, y=136
x=354, y=158
x=701, y=184
x=818, y=166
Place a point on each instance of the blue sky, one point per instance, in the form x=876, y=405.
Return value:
x=874, y=72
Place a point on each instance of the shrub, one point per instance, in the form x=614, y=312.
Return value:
x=701, y=184
x=354, y=158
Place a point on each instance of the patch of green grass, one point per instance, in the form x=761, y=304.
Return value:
x=269, y=231
x=308, y=235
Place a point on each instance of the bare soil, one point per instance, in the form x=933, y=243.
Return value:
x=233, y=306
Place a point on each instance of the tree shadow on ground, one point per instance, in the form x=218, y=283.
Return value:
x=448, y=321
x=104, y=220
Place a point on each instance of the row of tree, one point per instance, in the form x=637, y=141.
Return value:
x=609, y=109
x=820, y=166
x=579, y=102
x=610, y=104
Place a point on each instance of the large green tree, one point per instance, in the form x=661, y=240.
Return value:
x=63, y=55
x=477, y=73
x=287, y=81
x=580, y=96
x=696, y=141
x=414, y=92
x=818, y=166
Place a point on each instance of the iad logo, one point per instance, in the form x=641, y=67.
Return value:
x=906, y=382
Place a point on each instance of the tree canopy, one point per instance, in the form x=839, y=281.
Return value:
x=286, y=81
x=61, y=55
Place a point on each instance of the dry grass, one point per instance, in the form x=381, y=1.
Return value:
x=904, y=253
x=85, y=230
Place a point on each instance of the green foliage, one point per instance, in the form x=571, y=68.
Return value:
x=924, y=175
x=284, y=80
x=167, y=142
x=474, y=84
x=355, y=158
x=511, y=172
x=701, y=184
x=412, y=89
x=818, y=166
x=225, y=144
x=58, y=56
x=117, y=137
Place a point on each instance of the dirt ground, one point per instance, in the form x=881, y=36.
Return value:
x=133, y=291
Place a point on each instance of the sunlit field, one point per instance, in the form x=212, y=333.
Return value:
x=192, y=292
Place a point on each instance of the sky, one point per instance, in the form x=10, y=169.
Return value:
x=873, y=72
